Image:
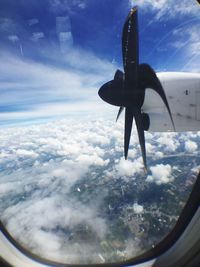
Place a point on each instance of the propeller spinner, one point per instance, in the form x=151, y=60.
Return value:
x=127, y=90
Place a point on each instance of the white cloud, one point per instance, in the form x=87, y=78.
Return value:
x=167, y=9
x=138, y=208
x=58, y=6
x=161, y=174
x=128, y=168
x=188, y=35
x=13, y=38
x=196, y=170
x=153, y=4
x=184, y=36
x=168, y=141
x=39, y=231
x=45, y=203
x=189, y=44
x=33, y=21
x=36, y=36
x=26, y=153
x=40, y=91
x=124, y=167
x=63, y=24
x=158, y=154
x=190, y=146
x=5, y=188
x=46, y=206
x=92, y=160
x=7, y=25
x=149, y=148
x=55, y=177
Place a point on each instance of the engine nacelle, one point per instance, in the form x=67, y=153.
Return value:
x=160, y=122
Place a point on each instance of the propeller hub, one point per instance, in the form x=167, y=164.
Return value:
x=117, y=94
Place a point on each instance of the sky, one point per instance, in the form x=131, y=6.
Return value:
x=55, y=54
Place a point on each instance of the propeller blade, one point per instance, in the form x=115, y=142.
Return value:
x=149, y=79
x=127, y=130
x=119, y=113
x=119, y=75
x=140, y=130
x=130, y=47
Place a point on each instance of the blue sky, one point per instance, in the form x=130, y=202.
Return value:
x=56, y=53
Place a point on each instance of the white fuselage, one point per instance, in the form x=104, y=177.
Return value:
x=183, y=94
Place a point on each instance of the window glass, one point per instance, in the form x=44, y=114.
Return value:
x=66, y=192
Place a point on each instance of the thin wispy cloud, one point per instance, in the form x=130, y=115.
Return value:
x=58, y=6
x=168, y=9
x=35, y=89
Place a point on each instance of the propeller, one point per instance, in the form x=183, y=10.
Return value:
x=119, y=113
x=127, y=90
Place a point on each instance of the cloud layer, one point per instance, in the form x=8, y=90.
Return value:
x=33, y=90
x=56, y=179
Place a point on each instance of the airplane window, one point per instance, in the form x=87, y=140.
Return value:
x=67, y=193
